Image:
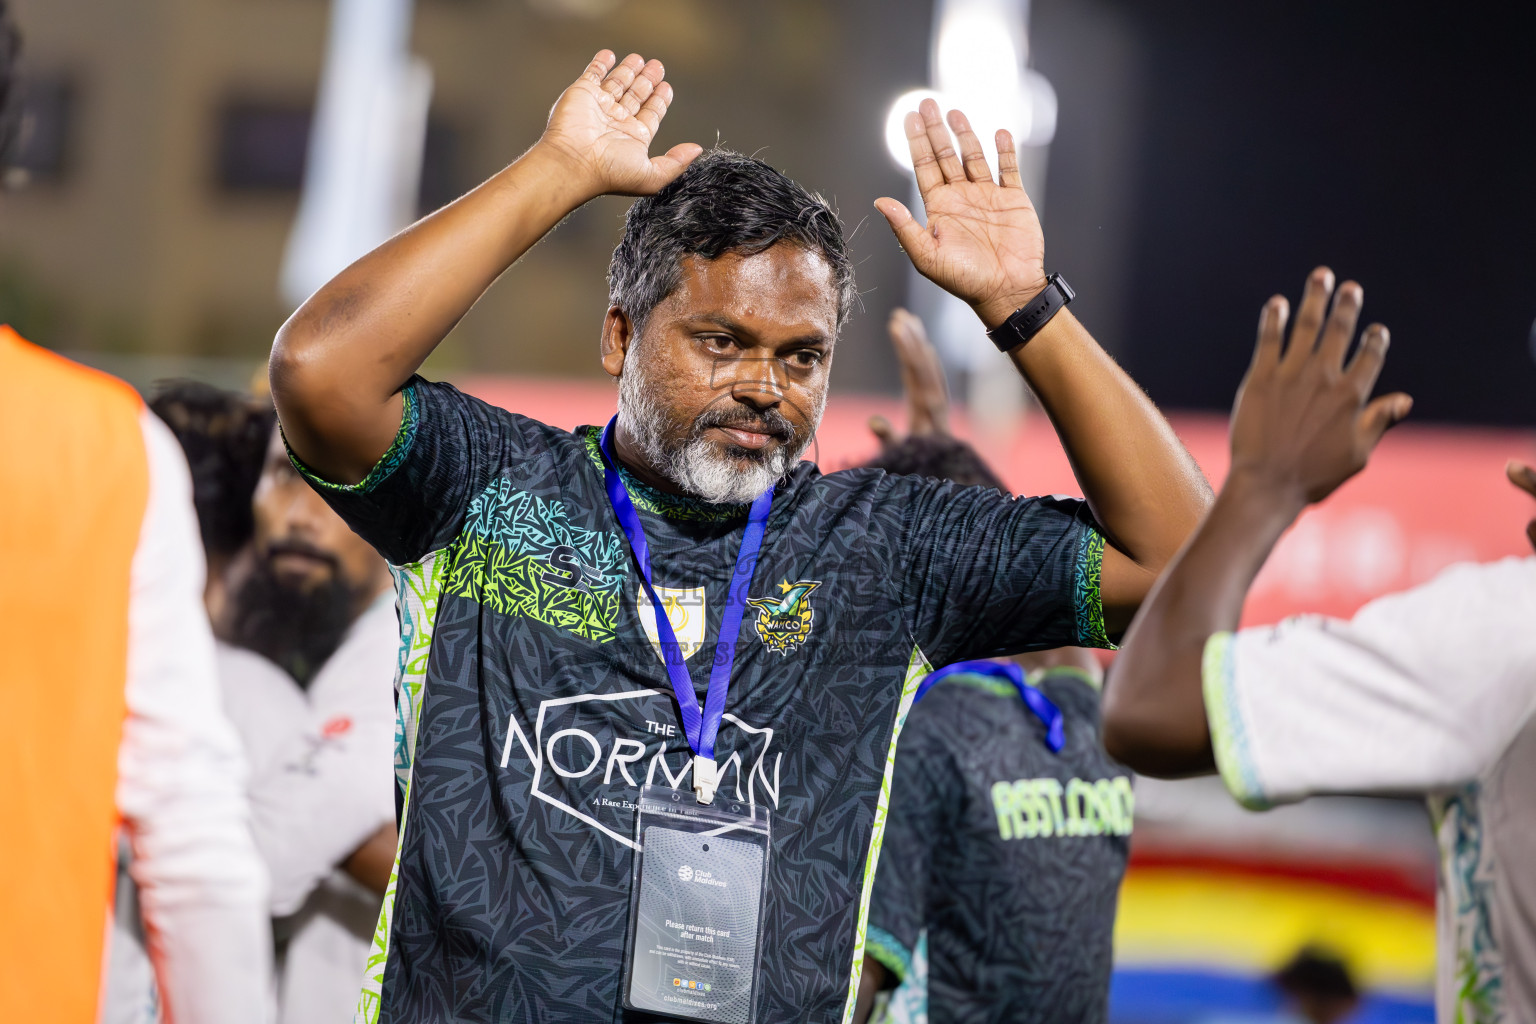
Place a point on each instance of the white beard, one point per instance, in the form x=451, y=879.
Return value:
x=696, y=465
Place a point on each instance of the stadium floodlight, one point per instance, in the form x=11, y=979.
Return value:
x=977, y=66
x=365, y=145
x=974, y=53
x=895, y=127
x=978, y=62
x=1041, y=97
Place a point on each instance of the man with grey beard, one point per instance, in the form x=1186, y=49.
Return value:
x=557, y=588
x=690, y=458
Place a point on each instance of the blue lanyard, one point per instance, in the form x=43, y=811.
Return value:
x=701, y=729
x=1048, y=713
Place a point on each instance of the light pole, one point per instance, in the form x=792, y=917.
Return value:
x=365, y=144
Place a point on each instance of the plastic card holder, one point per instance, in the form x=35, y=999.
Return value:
x=696, y=907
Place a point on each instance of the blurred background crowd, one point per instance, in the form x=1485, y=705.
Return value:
x=182, y=180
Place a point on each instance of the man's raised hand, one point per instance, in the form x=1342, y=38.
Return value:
x=1304, y=421
x=922, y=382
x=605, y=122
x=982, y=241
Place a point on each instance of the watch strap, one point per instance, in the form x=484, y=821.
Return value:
x=1028, y=319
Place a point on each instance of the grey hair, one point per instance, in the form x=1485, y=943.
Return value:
x=724, y=202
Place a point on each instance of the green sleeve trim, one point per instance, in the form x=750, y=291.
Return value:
x=892, y=955
x=1088, y=601
x=399, y=448
x=1229, y=735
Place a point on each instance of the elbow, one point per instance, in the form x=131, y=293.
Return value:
x=1181, y=519
x=1119, y=731
x=291, y=362
x=1123, y=742
x=301, y=372
x=1126, y=743
x=1135, y=730
x=1156, y=733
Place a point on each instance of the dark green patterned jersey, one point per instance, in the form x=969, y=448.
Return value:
x=1008, y=856
x=534, y=704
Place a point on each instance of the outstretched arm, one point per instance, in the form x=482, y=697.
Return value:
x=983, y=243
x=340, y=361
x=1302, y=425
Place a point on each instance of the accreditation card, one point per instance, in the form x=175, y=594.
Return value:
x=696, y=908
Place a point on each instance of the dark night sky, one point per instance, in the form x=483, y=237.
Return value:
x=1396, y=144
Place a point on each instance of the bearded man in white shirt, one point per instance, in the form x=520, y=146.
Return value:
x=306, y=657
x=310, y=691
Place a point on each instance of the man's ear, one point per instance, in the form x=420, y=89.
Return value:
x=618, y=333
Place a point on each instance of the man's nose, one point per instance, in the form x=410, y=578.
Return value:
x=757, y=382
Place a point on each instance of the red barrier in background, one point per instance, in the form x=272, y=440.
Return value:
x=1430, y=497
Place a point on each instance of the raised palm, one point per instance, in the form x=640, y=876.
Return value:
x=983, y=240
x=607, y=119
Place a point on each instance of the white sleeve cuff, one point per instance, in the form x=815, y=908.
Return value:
x=1229, y=733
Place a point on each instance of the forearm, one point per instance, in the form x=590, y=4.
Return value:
x=1145, y=490
x=1154, y=707
x=372, y=863
x=339, y=362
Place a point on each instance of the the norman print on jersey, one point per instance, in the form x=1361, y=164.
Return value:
x=590, y=754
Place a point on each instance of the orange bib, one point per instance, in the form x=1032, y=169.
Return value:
x=74, y=482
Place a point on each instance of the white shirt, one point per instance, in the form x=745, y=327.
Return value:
x=322, y=782
x=181, y=779
x=1428, y=691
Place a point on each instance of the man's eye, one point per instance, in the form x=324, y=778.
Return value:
x=806, y=358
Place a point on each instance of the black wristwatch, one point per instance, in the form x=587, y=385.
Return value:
x=1027, y=320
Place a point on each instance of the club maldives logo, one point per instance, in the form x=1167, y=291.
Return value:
x=784, y=621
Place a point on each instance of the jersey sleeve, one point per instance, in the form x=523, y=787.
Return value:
x=448, y=448
x=986, y=574
x=1419, y=691
x=925, y=787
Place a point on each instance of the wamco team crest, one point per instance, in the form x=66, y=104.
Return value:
x=784, y=622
